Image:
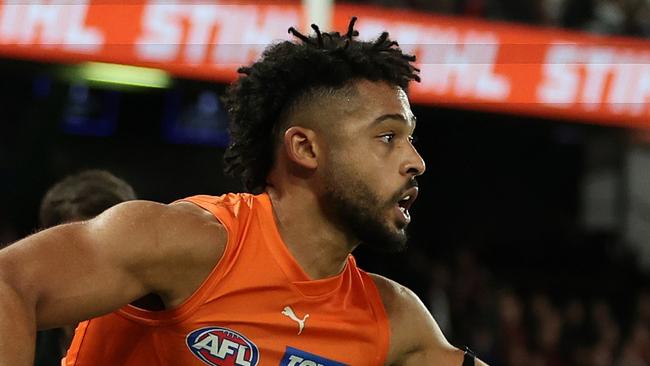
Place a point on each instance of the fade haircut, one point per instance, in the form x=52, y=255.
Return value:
x=289, y=73
x=83, y=196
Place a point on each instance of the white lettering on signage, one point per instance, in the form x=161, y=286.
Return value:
x=591, y=76
x=464, y=65
x=622, y=78
x=163, y=33
x=204, y=17
x=451, y=60
x=562, y=81
x=217, y=34
x=52, y=24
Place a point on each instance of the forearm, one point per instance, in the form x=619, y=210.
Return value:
x=17, y=328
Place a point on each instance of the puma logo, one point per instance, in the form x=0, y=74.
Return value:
x=288, y=311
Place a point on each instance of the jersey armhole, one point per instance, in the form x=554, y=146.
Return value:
x=219, y=271
x=383, y=323
x=71, y=356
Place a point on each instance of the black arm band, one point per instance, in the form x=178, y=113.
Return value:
x=468, y=359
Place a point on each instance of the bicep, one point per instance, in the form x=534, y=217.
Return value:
x=75, y=271
x=425, y=341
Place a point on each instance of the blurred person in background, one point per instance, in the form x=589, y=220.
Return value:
x=636, y=348
x=82, y=196
x=77, y=197
x=615, y=17
x=636, y=344
x=322, y=139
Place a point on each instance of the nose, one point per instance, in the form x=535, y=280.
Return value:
x=413, y=164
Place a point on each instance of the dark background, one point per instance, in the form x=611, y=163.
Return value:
x=499, y=214
x=501, y=249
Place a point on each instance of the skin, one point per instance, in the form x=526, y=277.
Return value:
x=77, y=271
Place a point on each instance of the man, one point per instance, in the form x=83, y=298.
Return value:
x=82, y=196
x=322, y=132
x=77, y=197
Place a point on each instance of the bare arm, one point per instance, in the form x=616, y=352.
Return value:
x=416, y=338
x=78, y=271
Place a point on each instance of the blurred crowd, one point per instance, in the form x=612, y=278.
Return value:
x=509, y=326
x=513, y=326
x=613, y=17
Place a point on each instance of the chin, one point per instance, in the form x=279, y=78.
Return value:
x=391, y=247
x=393, y=240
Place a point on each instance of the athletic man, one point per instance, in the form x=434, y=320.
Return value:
x=322, y=135
x=77, y=197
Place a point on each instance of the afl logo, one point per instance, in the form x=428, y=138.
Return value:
x=222, y=347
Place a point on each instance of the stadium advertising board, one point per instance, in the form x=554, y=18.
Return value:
x=465, y=63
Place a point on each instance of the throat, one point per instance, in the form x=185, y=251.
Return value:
x=318, y=246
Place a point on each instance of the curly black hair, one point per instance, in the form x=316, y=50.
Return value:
x=284, y=74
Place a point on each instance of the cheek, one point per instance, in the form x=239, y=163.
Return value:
x=363, y=168
x=348, y=162
x=385, y=157
x=339, y=173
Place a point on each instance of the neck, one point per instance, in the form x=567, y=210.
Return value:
x=318, y=245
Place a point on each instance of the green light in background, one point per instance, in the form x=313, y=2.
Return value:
x=98, y=72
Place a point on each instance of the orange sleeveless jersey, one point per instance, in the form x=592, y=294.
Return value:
x=257, y=307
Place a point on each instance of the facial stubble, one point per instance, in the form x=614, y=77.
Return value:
x=350, y=201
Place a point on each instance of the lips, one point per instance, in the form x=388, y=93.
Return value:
x=407, y=199
x=405, y=202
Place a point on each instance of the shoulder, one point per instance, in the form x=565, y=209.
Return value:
x=415, y=335
x=159, y=223
x=391, y=292
x=180, y=229
x=400, y=303
x=170, y=247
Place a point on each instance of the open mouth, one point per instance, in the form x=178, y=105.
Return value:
x=406, y=201
x=408, y=198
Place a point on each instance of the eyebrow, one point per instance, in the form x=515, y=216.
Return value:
x=394, y=116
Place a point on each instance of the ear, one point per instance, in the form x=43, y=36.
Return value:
x=301, y=147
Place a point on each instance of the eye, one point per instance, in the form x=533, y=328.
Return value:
x=387, y=138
